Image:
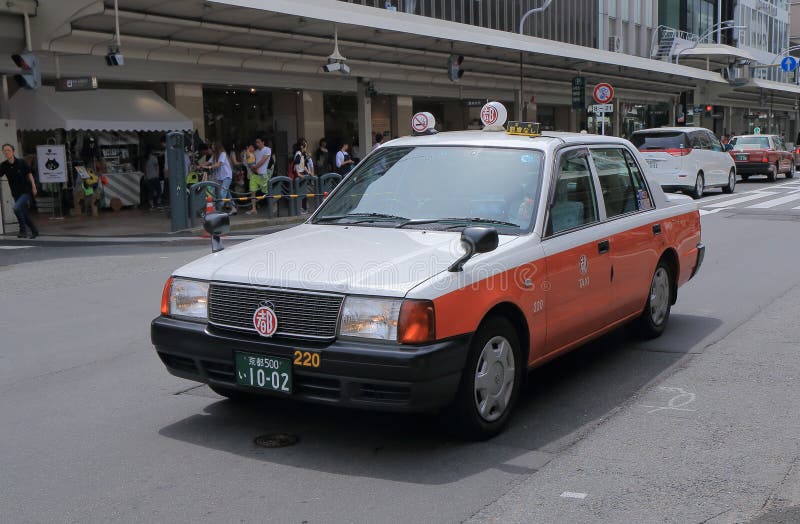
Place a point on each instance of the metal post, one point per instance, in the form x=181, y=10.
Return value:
x=178, y=195
x=719, y=20
x=603, y=123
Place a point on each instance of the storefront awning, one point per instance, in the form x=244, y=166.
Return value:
x=100, y=110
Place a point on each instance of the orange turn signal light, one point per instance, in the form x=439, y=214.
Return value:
x=417, y=322
x=165, y=297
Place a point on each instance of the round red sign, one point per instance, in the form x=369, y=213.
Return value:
x=489, y=115
x=419, y=122
x=265, y=321
x=603, y=93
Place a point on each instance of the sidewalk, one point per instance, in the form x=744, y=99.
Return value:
x=135, y=225
x=714, y=442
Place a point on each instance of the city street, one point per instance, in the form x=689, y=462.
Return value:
x=699, y=425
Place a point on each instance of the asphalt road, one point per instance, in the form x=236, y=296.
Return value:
x=93, y=429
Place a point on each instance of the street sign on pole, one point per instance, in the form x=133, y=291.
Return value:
x=578, y=92
x=603, y=93
x=602, y=108
x=789, y=64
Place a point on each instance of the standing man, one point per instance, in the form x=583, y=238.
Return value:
x=23, y=187
x=259, y=176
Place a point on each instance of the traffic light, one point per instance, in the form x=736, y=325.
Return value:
x=709, y=109
x=454, y=70
x=29, y=77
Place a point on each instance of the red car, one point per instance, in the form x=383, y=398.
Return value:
x=761, y=155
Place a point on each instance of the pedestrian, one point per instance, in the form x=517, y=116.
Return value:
x=152, y=183
x=221, y=169
x=343, y=161
x=378, y=141
x=322, y=157
x=300, y=166
x=259, y=178
x=23, y=188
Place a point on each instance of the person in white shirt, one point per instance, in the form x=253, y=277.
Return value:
x=343, y=161
x=223, y=173
x=259, y=176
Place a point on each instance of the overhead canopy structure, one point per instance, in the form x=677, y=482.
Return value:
x=99, y=110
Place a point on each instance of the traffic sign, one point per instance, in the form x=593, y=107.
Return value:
x=789, y=64
x=603, y=93
x=578, y=92
x=602, y=108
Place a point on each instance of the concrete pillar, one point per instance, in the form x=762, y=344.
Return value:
x=402, y=111
x=5, y=109
x=286, y=115
x=364, y=119
x=312, y=118
x=188, y=99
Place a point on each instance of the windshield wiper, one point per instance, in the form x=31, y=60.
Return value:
x=366, y=217
x=417, y=221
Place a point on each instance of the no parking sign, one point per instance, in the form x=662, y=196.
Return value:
x=603, y=93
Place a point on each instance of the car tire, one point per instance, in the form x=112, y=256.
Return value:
x=489, y=386
x=699, y=186
x=233, y=394
x=728, y=189
x=773, y=173
x=653, y=320
x=791, y=172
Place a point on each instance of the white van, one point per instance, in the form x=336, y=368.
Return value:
x=689, y=159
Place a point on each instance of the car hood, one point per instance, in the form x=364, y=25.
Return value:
x=344, y=259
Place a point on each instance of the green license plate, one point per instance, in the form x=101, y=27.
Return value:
x=259, y=371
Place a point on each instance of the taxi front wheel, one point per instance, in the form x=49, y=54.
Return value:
x=653, y=320
x=490, y=382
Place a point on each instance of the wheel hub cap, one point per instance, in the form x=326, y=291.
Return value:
x=659, y=296
x=495, y=374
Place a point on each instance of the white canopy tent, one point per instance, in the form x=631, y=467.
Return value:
x=99, y=110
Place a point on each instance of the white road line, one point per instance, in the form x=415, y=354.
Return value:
x=775, y=202
x=16, y=247
x=740, y=200
x=571, y=495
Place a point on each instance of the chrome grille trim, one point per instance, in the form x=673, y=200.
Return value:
x=301, y=314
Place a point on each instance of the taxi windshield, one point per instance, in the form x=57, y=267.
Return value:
x=439, y=187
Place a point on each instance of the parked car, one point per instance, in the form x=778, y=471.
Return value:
x=761, y=155
x=689, y=159
x=420, y=285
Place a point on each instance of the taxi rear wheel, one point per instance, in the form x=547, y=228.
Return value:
x=490, y=382
x=653, y=320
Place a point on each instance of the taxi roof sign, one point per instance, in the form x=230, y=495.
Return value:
x=423, y=124
x=524, y=128
x=493, y=116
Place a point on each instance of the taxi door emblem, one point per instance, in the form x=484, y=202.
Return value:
x=583, y=264
x=265, y=321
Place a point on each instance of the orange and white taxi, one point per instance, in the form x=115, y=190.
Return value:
x=436, y=274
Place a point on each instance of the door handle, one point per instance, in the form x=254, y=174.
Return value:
x=656, y=229
x=603, y=247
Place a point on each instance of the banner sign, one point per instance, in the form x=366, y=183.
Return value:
x=52, y=164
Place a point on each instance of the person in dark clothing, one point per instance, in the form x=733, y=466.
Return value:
x=23, y=188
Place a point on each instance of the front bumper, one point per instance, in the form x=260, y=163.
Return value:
x=753, y=168
x=355, y=374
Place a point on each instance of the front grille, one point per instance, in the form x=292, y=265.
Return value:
x=178, y=363
x=301, y=314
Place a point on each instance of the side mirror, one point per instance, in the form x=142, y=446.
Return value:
x=475, y=239
x=217, y=224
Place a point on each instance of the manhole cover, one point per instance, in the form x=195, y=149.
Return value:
x=276, y=440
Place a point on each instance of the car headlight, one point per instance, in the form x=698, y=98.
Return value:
x=404, y=321
x=185, y=298
x=370, y=318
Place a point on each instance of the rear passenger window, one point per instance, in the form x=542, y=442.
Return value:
x=716, y=145
x=700, y=139
x=644, y=200
x=616, y=183
x=574, y=203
